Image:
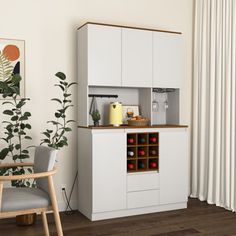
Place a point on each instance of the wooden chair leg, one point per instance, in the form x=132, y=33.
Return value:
x=55, y=206
x=45, y=223
x=1, y=189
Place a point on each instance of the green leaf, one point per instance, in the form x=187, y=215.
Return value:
x=70, y=121
x=3, y=153
x=23, y=118
x=57, y=115
x=15, y=157
x=28, y=114
x=22, y=133
x=8, y=112
x=23, y=156
x=54, y=122
x=8, y=103
x=64, y=83
x=67, y=101
x=73, y=83
x=28, y=126
x=57, y=100
x=28, y=137
x=25, y=151
x=17, y=146
x=67, y=95
x=22, y=126
x=14, y=118
x=46, y=134
x=60, y=75
x=45, y=141
x=62, y=88
x=20, y=104
x=29, y=170
x=67, y=129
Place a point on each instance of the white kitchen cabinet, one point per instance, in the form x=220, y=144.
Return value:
x=167, y=60
x=106, y=189
x=136, y=58
x=173, y=166
x=103, y=55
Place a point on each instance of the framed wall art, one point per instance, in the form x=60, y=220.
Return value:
x=129, y=111
x=12, y=61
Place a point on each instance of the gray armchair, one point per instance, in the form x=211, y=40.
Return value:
x=20, y=201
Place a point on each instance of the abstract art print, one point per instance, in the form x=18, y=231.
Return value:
x=12, y=61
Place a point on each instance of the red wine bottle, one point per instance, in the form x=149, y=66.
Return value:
x=131, y=140
x=141, y=152
x=153, y=139
x=131, y=166
x=152, y=164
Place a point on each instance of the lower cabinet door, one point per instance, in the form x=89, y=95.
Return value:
x=143, y=199
x=173, y=166
x=109, y=171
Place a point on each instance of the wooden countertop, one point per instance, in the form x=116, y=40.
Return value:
x=132, y=127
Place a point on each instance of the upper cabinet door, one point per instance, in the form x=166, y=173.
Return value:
x=136, y=58
x=104, y=55
x=167, y=60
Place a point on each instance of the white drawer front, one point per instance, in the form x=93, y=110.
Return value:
x=142, y=181
x=143, y=199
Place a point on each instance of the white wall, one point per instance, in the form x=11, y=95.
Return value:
x=49, y=31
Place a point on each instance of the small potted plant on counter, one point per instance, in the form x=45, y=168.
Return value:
x=96, y=117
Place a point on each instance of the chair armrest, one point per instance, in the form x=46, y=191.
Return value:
x=9, y=165
x=28, y=176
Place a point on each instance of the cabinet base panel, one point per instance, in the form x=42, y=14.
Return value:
x=136, y=211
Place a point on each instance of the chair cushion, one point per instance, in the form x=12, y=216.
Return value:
x=14, y=199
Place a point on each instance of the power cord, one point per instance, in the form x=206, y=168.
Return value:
x=69, y=210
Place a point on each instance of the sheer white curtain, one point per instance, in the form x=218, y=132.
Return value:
x=214, y=103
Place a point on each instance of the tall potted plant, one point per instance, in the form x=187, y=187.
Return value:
x=56, y=136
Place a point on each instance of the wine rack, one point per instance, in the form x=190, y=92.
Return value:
x=142, y=152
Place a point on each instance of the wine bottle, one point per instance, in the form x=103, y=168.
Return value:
x=141, y=152
x=153, y=139
x=142, y=140
x=130, y=166
x=130, y=153
x=152, y=152
x=141, y=165
x=131, y=140
x=153, y=164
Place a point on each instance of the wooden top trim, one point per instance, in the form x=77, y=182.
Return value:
x=130, y=27
x=133, y=127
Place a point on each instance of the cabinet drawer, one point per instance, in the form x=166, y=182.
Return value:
x=143, y=199
x=142, y=181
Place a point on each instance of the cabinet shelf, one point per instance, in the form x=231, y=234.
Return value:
x=145, y=151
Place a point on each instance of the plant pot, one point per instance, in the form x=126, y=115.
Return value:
x=96, y=123
x=26, y=220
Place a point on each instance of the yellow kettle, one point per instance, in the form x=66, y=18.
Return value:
x=115, y=114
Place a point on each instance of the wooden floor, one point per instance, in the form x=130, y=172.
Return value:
x=198, y=219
